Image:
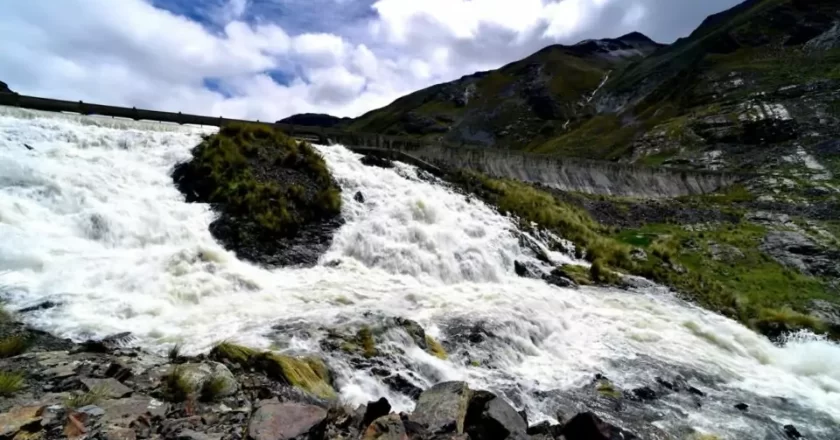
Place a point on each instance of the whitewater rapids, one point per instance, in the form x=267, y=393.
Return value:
x=90, y=220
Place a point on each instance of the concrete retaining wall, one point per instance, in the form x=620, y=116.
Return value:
x=578, y=175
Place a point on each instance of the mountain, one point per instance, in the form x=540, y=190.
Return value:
x=4, y=88
x=749, y=85
x=516, y=106
x=314, y=120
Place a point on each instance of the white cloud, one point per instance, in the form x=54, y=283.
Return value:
x=129, y=52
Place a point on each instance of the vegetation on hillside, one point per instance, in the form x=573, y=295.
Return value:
x=750, y=287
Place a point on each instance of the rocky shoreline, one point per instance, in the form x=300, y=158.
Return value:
x=107, y=389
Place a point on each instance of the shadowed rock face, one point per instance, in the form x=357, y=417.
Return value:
x=314, y=120
x=4, y=88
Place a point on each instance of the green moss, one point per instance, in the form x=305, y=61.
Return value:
x=435, y=348
x=10, y=383
x=235, y=165
x=213, y=387
x=13, y=346
x=364, y=337
x=176, y=385
x=308, y=374
x=234, y=353
x=606, y=389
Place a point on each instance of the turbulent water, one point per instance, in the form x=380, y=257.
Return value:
x=90, y=219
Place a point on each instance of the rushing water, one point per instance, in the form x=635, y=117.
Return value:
x=90, y=219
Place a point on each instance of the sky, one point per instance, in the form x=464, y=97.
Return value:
x=268, y=59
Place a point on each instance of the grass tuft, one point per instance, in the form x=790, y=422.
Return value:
x=435, y=348
x=84, y=399
x=176, y=385
x=13, y=346
x=174, y=353
x=10, y=383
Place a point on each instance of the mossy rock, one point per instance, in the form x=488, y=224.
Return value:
x=307, y=373
x=434, y=348
x=269, y=189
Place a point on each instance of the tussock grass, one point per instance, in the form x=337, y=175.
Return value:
x=174, y=352
x=236, y=168
x=79, y=400
x=176, y=385
x=13, y=346
x=10, y=383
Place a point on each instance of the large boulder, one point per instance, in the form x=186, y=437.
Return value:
x=443, y=407
x=278, y=204
x=386, y=428
x=286, y=421
x=588, y=426
x=4, y=88
x=491, y=418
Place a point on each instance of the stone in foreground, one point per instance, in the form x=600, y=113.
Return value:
x=443, y=407
x=286, y=421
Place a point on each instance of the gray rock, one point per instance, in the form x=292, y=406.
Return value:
x=92, y=410
x=117, y=433
x=443, y=407
x=18, y=418
x=638, y=254
x=123, y=412
x=108, y=388
x=288, y=420
x=724, y=252
x=799, y=252
x=189, y=434
x=388, y=427
x=199, y=373
x=492, y=418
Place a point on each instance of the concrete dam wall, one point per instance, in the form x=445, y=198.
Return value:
x=578, y=175
x=594, y=177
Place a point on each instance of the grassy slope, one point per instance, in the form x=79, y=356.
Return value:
x=753, y=289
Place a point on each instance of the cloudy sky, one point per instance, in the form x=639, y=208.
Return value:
x=267, y=59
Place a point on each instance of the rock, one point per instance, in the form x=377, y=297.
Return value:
x=108, y=388
x=588, y=426
x=527, y=270
x=375, y=410
x=638, y=254
x=20, y=418
x=42, y=305
x=117, y=433
x=389, y=427
x=359, y=197
x=742, y=407
x=792, y=432
x=797, y=251
x=376, y=161
x=724, y=252
x=520, y=269
x=443, y=407
x=189, y=434
x=4, y=88
x=491, y=418
x=558, y=278
x=124, y=412
x=288, y=420
x=644, y=394
x=402, y=385
x=696, y=392
x=199, y=373
x=92, y=410
x=543, y=428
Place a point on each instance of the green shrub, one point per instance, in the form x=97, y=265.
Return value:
x=174, y=353
x=10, y=383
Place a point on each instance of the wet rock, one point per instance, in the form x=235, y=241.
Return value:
x=742, y=407
x=106, y=344
x=792, y=432
x=108, y=388
x=359, y=197
x=588, y=426
x=189, y=434
x=490, y=417
x=558, y=278
x=526, y=270
x=402, y=385
x=696, y=392
x=375, y=410
x=546, y=429
x=92, y=410
x=20, y=419
x=443, y=407
x=117, y=433
x=389, y=427
x=288, y=420
x=644, y=394
x=376, y=161
x=40, y=306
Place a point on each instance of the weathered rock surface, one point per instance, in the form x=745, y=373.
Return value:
x=443, y=407
x=286, y=421
x=799, y=252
